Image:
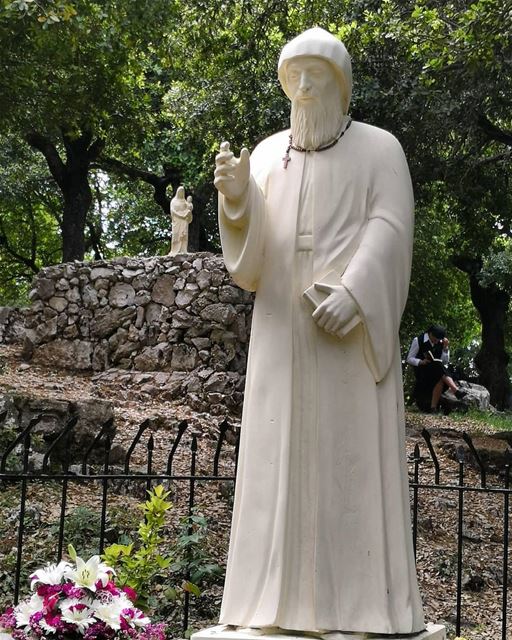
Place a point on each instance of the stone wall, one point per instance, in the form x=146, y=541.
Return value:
x=12, y=324
x=181, y=315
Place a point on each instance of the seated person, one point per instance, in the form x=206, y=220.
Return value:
x=429, y=355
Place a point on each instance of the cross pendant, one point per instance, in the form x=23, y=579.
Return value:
x=286, y=159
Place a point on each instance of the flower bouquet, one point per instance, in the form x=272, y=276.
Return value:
x=75, y=601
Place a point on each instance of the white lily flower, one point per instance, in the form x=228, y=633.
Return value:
x=51, y=574
x=27, y=608
x=87, y=574
x=78, y=613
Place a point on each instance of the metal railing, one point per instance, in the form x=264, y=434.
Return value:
x=425, y=480
x=497, y=493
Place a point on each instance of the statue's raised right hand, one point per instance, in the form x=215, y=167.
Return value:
x=232, y=174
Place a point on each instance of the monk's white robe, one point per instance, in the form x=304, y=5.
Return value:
x=321, y=533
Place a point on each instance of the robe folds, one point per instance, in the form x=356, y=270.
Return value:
x=321, y=534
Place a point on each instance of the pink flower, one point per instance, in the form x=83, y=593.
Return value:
x=131, y=593
x=8, y=619
x=99, y=630
x=46, y=590
x=35, y=620
x=125, y=626
x=110, y=587
x=153, y=632
x=52, y=619
x=134, y=617
x=50, y=602
x=71, y=591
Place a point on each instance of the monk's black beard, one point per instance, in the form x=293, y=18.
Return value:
x=315, y=124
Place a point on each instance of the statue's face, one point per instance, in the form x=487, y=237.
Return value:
x=311, y=79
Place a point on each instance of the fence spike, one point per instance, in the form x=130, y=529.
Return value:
x=223, y=428
x=26, y=451
x=142, y=427
x=71, y=423
x=106, y=457
x=437, y=469
x=483, y=473
x=182, y=427
x=20, y=438
x=106, y=426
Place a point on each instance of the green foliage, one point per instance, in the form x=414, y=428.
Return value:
x=463, y=358
x=82, y=527
x=7, y=435
x=47, y=13
x=138, y=566
x=29, y=220
x=438, y=293
x=191, y=553
x=85, y=72
x=497, y=268
x=133, y=224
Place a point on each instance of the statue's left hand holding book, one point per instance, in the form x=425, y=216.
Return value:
x=315, y=297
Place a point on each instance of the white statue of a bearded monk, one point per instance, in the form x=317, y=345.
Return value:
x=319, y=222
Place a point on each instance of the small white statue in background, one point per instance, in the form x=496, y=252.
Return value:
x=181, y=216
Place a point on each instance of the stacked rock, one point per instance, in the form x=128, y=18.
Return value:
x=12, y=324
x=180, y=314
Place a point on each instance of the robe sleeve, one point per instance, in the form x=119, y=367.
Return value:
x=242, y=236
x=378, y=274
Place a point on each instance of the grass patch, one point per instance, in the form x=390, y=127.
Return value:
x=501, y=421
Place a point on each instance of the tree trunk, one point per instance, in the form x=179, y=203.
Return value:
x=72, y=177
x=77, y=201
x=492, y=359
x=198, y=239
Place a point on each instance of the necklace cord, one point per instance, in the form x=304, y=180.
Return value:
x=324, y=147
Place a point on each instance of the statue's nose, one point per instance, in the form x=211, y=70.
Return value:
x=305, y=84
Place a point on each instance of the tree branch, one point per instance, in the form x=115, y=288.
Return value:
x=494, y=132
x=48, y=149
x=127, y=170
x=95, y=239
x=4, y=242
x=95, y=149
x=468, y=265
x=33, y=235
x=159, y=183
x=497, y=158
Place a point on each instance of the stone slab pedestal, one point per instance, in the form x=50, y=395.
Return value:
x=223, y=632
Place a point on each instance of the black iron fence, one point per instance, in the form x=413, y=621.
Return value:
x=180, y=468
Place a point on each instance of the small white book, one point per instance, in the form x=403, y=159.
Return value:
x=315, y=297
